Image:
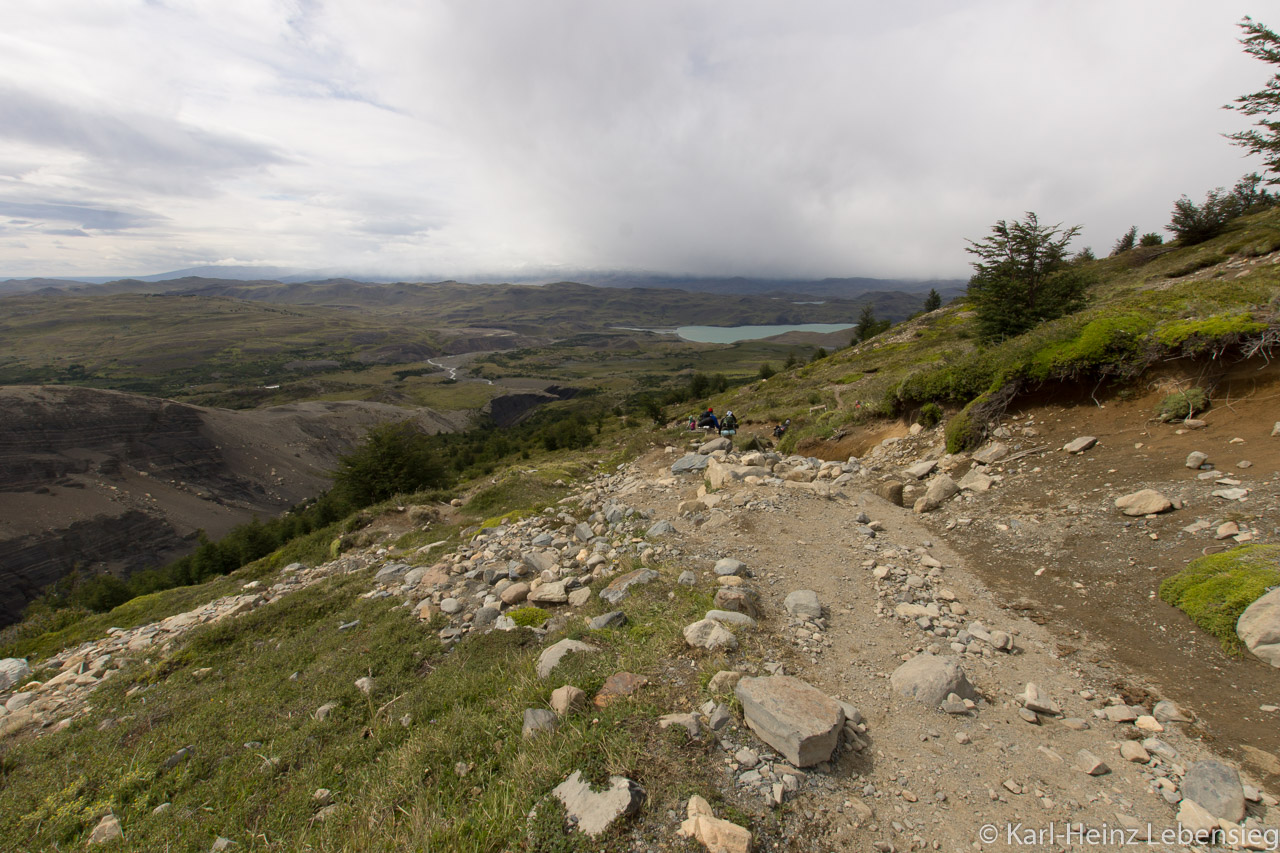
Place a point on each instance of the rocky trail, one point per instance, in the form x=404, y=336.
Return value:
x=927, y=677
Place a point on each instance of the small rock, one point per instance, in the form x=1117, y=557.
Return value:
x=1144, y=502
x=568, y=699
x=803, y=604
x=539, y=720
x=710, y=635
x=1132, y=751
x=930, y=679
x=618, y=686
x=592, y=812
x=552, y=655
x=716, y=834
x=108, y=829
x=1195, y=459
x=1081, y=444
x=729, y=566
x=1091, y=764
x=612, y=619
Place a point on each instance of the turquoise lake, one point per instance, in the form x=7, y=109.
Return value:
x=732, y=334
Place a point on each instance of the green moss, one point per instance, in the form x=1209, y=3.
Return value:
x=962, y=434
x=1106, y=341
x=1197, y=335
x=1216, y=589
x=529, y=617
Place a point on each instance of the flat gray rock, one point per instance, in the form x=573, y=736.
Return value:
x=1259, y=627
x=552, y=655
x=617, y=590
x=793, y=717
x=803, y=604
x=920, y=470
x=721, y=443
x=690, y=462
x=930, y=679
x=594, y=812
x=1216, y=788
x=730, y=617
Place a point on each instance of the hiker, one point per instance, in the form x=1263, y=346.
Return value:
x=708, y=420
x=729, y=424
x=781, y=428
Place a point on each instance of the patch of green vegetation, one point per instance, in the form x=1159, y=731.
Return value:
x=1214, y=590
x=930, y=415
x=529, y=616
x=1101, y=345
x=1197, y=335
x=1183, y=404
x=961, y=432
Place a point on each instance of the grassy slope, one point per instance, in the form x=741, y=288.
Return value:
x=1148, y=304
x=259, y=754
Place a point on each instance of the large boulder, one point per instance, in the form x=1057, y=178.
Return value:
x=594, y=812
x=793, y=717
x=1259, y=627
x=1215, y=787
x=12, y=671
x=930, y=679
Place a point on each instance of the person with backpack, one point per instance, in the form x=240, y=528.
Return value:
x=729, y=425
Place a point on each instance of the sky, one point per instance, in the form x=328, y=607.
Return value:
x=489, y=138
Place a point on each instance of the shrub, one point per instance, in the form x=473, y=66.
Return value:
x=1126, y=242
x=767, y=371
x=1151, y=239
x=529, y=617
x=1194, y=223
x=1183, y=405
x=930, y=415
x=961, y=433
x=1214, y=590
x=394, y=458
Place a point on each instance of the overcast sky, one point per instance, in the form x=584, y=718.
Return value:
x=489, y=137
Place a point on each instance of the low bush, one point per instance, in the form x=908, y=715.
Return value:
x=1182, y=405
x=930, y=415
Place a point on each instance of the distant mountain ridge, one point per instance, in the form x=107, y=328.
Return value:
x=825, y=288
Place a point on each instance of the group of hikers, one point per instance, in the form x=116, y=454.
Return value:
x=728, y=425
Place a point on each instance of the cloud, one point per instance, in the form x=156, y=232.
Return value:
x=149, y=152
x=92, y=218
x=443, y=137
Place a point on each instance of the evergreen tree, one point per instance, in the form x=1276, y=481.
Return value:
x=1126, y=242
x=1263, y=44
x=1022, y=277
x=933, y=301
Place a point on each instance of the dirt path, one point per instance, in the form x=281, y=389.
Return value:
x=930, y=780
